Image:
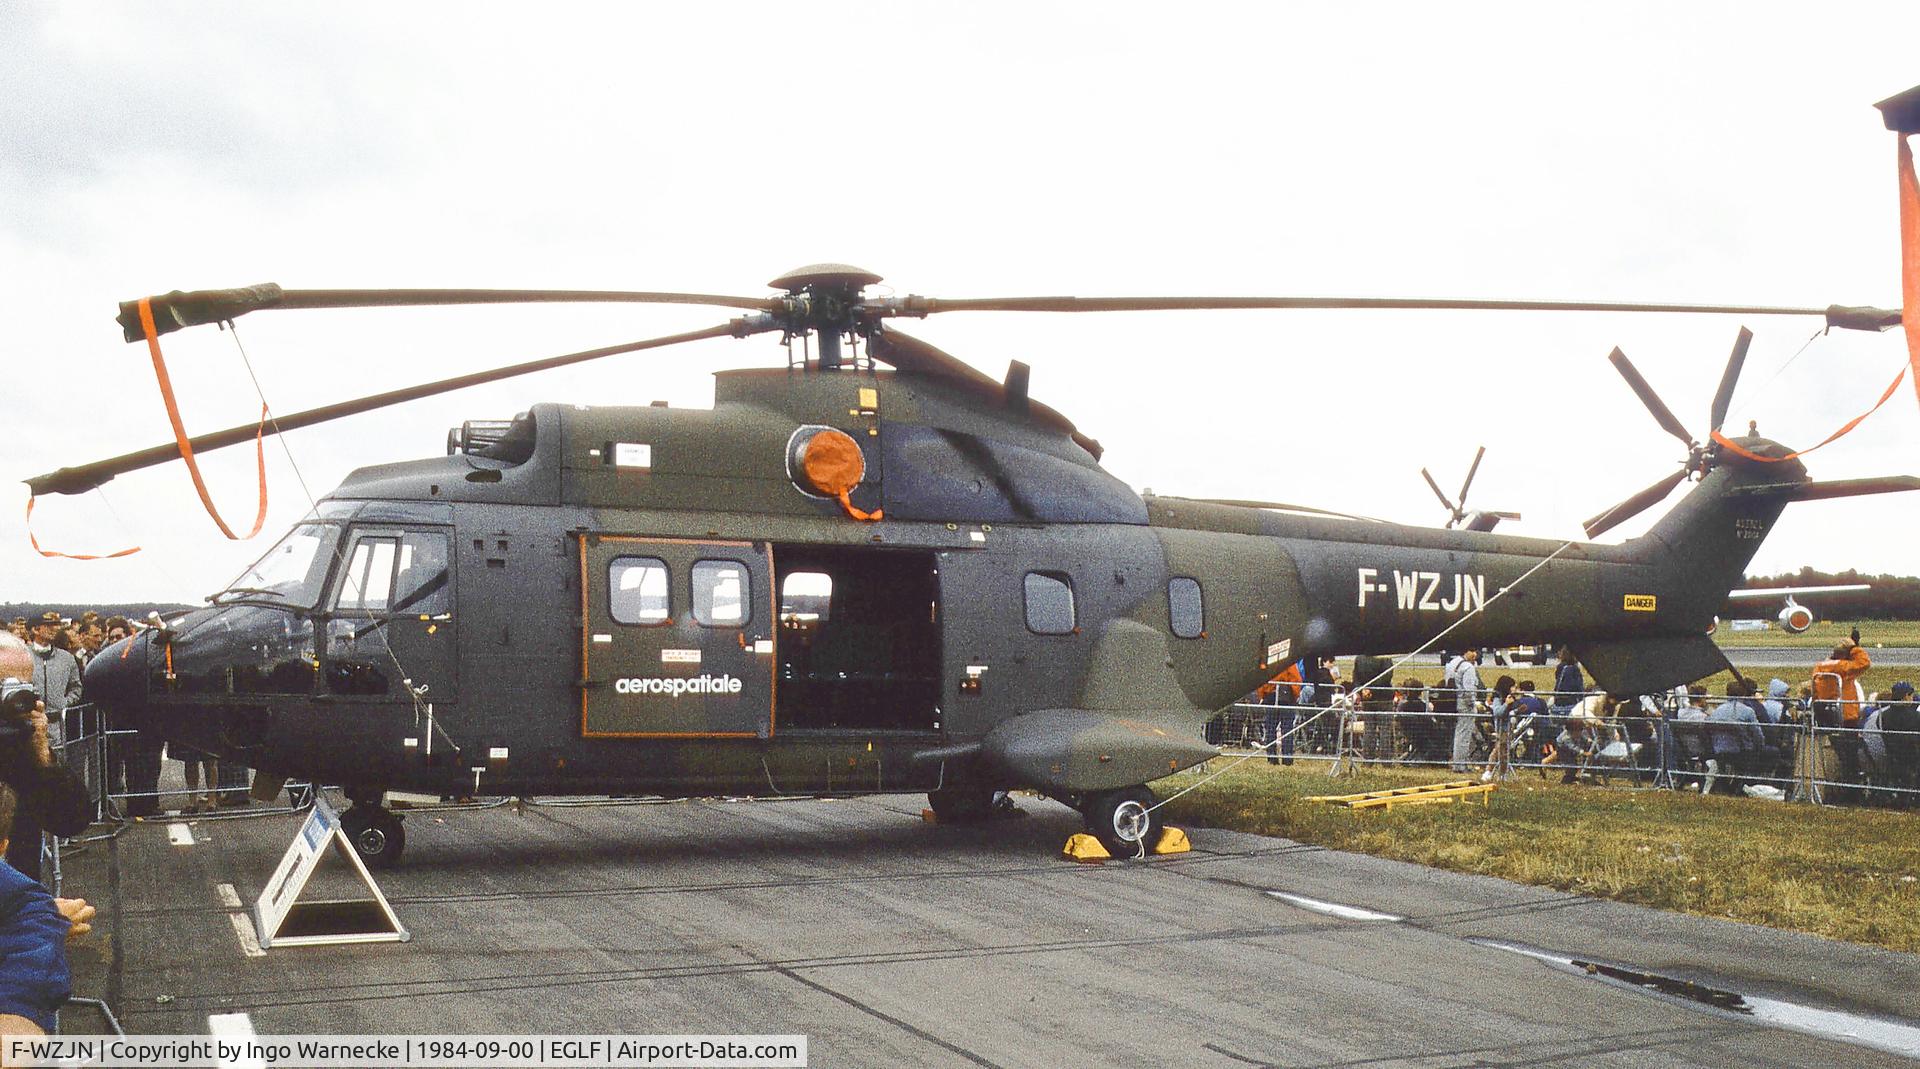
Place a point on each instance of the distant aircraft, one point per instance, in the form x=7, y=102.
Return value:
x=1795, y=618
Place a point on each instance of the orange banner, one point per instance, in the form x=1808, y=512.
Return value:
x=1910, y=258
x=186, y=446
x=1728, y=444
x=69, y=556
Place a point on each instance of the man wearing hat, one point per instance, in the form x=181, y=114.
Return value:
x=1900, y=727
x=56, y=674
x=56, y=681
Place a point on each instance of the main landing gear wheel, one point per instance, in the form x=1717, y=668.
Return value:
x=376, y=834
x=1124, y=821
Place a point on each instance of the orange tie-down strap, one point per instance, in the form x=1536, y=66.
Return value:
x=1910, y=258
x=69, y=556
x=1728, y=443
x=186, y=445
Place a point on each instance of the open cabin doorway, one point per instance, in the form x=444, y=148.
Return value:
x=858, y=644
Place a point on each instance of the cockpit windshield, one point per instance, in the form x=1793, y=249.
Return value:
x=293, y=571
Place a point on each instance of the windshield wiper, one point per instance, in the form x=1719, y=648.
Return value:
x=215, y=598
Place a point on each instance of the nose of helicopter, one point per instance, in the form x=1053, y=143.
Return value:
x=114, y=678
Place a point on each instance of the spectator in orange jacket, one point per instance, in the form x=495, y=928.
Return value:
x=1837, y=698
x=1837, y=679
x=1279, y=694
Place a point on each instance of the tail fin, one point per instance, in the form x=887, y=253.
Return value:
x=1706, y=541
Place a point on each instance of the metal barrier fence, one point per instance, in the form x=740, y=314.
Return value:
x=122, y=770
x=1809, y=755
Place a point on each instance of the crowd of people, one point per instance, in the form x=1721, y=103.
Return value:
x=39, y=683
x=1826, y=731
x=62, y=648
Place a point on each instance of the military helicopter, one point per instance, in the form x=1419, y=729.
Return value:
x=875, y=569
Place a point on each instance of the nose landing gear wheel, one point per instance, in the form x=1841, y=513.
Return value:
x=1124, y=821
x=376, y=834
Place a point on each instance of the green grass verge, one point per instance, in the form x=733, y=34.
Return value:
x=1850, y=874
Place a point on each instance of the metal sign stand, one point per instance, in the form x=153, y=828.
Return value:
x=281, y=919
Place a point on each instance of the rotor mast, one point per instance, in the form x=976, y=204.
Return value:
x=825, y=299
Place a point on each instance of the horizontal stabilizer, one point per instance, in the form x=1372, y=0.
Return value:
x=1820, y=491
x=1078, y=750
x=1761, y=593
x=1885, y=484
x=1646, y=665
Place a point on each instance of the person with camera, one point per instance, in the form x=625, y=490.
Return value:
x=34, y=930
x=50, y=795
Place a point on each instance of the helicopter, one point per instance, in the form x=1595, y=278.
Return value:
x=852, y=578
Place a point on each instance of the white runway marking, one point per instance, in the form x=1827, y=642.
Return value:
x=233, y=1026
x=1880, y=1033
x=249, y=943
x=229, y=897
x=180, y=835
x=1333, y=909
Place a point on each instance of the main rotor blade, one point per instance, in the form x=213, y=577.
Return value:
x=1724, y=396
x=1436, y=490
x=1659, y=408
x=1470, y=474
x=910, y=354
x=914, y=305
x=1634, y=505
x=87, y=476
x=189, y=308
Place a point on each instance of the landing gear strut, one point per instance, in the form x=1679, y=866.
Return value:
x=373, y=829
x=1124, y=821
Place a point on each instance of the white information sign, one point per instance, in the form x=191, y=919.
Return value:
x=368, y=920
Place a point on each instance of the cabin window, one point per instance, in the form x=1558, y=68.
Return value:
x=637, y=590
x=1049, y=603
x=369, y=580
x=1186, y=612
x=806, y=599
x=720, y=590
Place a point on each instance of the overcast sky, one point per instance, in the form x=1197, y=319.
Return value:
x=1686, y=153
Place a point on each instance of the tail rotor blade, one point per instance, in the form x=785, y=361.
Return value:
x=1667, y=420
x=1634, y=505
x=1724, y=396
x=1436, y=490
x=1471, y=472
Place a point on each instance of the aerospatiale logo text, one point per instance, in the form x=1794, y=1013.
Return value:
x=674, y=687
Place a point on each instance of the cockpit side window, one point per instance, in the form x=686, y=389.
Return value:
x=397, y=572
x=367, y=585
x=421, y=585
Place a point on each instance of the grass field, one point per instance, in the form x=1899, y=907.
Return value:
x=1824, y=634
x=1849, y=874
